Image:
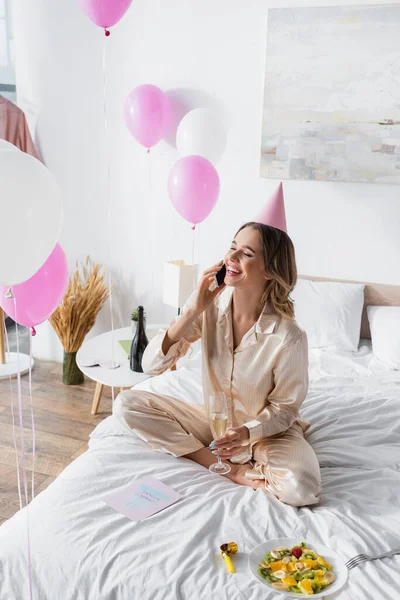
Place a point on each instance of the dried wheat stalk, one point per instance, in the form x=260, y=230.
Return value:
x=82, y=302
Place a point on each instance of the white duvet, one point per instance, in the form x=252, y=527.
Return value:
x=82, y=550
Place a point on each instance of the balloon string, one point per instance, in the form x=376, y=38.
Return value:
x=22, y=439
x=152, y=231
x=193, y=259
x=150, y=175
x=108, y=168
x=32, y=419
x=13, y=421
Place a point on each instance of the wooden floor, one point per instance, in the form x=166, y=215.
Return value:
x=63, y=424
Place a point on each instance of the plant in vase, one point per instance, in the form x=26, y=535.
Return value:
x=75, y=316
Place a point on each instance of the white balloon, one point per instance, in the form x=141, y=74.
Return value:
x=31, y=216
x=4, y=145
x=201, y=133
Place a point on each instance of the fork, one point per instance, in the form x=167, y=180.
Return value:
x=356, y=560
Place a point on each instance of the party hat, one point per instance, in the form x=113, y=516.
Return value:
x=273, y=213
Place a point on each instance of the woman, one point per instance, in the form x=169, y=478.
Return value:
x=254, y=351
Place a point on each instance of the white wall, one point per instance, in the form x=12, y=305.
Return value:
x=205, y=53
x=7, y=71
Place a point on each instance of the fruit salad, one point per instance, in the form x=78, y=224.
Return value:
x=299, y=569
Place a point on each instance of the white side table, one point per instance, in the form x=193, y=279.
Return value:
x=11, y=362
x=101, y=347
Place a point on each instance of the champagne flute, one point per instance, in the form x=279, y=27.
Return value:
x=218, y=415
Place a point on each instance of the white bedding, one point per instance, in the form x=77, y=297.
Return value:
x=83, y=550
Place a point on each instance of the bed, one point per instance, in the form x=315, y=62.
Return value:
x=82, y=550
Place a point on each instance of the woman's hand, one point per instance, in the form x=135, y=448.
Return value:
x=203, y=297
x=232, y=442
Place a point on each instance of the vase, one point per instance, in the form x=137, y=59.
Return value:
x=72, y=375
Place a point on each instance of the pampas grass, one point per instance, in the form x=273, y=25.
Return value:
x=82, y=302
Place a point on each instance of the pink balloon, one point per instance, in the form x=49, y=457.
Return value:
x=105, y=13
x=38, y=297
x=193, y=187
x=147, y=114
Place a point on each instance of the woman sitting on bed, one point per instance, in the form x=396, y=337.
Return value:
x=253, y=351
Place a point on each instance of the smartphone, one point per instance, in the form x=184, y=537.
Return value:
x=220, y=276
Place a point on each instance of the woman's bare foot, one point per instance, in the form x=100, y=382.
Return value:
x=238, y=475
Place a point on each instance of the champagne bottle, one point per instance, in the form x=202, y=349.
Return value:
x=139, y=344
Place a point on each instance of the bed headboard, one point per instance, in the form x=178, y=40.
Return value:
x=375, y=294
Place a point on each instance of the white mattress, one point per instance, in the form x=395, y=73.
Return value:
x=83, y=550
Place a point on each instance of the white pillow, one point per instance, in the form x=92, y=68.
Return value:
x=384, y=322
x=330, y=313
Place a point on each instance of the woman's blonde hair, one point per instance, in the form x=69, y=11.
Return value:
x=280, y=264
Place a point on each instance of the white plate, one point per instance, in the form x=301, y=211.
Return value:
x=339, y=568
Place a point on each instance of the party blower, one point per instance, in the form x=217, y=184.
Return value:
x=226, y=552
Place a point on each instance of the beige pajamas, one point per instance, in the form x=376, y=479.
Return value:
x=265, y=380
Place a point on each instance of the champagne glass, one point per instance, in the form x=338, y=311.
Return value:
x=218, y=415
